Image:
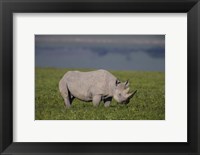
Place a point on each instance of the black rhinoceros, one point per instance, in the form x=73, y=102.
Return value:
x=95, y=86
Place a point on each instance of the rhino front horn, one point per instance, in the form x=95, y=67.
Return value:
x=132, y=94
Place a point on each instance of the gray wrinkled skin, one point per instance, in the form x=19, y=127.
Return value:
x=93, y=86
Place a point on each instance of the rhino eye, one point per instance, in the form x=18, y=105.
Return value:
x=120, y=94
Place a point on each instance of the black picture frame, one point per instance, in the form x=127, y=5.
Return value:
x=8, y=7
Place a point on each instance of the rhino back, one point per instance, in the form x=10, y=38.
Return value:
x=84, y=85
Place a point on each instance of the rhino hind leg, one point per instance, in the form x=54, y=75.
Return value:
x=67, y=102
x=96, y=100
x=107, y=101
x=65, y=93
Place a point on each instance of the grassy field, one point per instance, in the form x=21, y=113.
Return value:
x=147, y=104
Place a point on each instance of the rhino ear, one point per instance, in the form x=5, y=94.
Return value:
x=127, y=84
x=117, y=82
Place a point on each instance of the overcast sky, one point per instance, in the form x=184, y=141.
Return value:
x=111, y=52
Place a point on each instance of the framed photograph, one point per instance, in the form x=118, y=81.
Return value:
x=108, y=67
x=99, y=77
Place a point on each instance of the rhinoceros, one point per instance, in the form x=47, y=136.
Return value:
x=95, y=86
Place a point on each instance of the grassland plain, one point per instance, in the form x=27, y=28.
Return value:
x=147, y=104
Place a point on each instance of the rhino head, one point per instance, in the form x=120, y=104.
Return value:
x=121, y=92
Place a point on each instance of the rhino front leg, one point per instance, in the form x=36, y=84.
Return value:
x=107, y=101
x=96, y=100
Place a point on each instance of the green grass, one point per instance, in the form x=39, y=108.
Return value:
x=147, y=104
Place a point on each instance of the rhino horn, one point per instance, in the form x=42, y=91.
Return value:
x=130, y=95
x=126, y=90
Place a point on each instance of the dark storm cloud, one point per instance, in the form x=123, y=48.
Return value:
x=101, y=48
x=157, y=52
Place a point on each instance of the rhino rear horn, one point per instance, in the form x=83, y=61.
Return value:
x=126, y=90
